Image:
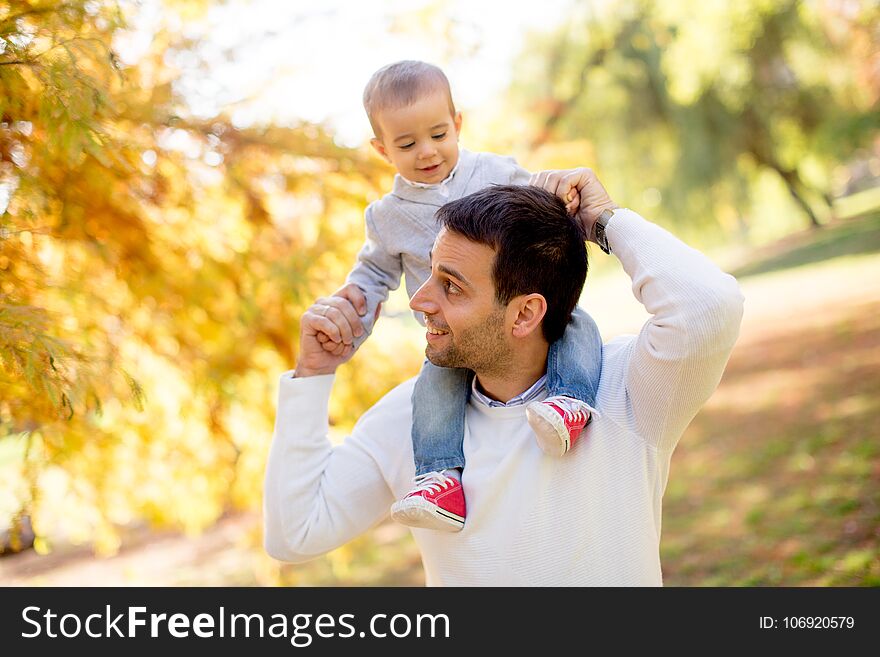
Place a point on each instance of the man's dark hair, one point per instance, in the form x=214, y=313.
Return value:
x=538, y=246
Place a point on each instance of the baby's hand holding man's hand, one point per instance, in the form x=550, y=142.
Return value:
x=342, y=318
x=328, y=329
x=581, y=191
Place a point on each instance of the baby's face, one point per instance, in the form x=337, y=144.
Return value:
x=420, y=140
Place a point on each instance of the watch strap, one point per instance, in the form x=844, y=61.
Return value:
x=599, y=229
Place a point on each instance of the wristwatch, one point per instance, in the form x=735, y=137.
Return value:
x=599, y=229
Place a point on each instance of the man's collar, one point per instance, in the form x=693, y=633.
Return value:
x=534, y=391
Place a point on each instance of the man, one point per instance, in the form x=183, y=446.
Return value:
x=591, y=518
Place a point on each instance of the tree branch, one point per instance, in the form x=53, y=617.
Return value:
x=60, y=44
x=33, y=12
x=563, y=107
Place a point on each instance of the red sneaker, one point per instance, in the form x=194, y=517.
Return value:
x=557, y=422
x=436, y=502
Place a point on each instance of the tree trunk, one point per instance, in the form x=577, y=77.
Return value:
x=792, y=181
x=789, y=176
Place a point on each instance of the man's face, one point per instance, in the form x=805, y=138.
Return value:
x=420, y=140
x=466, y=327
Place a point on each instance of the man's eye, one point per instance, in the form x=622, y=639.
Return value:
x=439, y=137
x=451, y=287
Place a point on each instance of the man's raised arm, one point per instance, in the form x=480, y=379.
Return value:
x=677, y=360
x=681, y=351
x=316, y=496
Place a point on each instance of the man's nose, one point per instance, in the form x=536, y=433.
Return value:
x=422, y=301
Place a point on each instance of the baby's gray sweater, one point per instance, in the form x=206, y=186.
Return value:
x=401, y=227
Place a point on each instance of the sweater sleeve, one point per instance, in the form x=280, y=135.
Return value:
x=678, y=357
x=317, y=496
x=376, y=272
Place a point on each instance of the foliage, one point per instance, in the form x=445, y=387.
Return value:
x=696, y=101
x=154, y=264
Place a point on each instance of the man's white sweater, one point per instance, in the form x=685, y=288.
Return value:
x=591, y=517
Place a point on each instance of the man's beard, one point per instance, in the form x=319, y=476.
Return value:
x=481, y=348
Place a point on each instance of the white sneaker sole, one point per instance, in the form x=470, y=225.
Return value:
x=418, y=512
x=550, y=431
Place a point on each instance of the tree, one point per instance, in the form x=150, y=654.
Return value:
x=153, y=266
x=693, y=98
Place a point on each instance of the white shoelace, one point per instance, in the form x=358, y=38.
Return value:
x=432, y=482
x=574, y=409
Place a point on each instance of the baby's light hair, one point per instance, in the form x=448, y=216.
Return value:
x=400, y=84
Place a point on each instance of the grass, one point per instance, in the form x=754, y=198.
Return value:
x=777, y=480
x=857, y=236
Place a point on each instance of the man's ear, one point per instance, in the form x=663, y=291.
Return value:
x=528, y=313
x=380, y=149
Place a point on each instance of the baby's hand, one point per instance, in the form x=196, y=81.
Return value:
x=566, y=191
x=572, y=201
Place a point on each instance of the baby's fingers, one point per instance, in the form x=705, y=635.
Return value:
x=572, y=201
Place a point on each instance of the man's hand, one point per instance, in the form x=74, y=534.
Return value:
x=327, y=331
x=577, y=186
x=344, y=309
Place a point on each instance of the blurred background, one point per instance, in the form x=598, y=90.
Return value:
x=179, y=179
